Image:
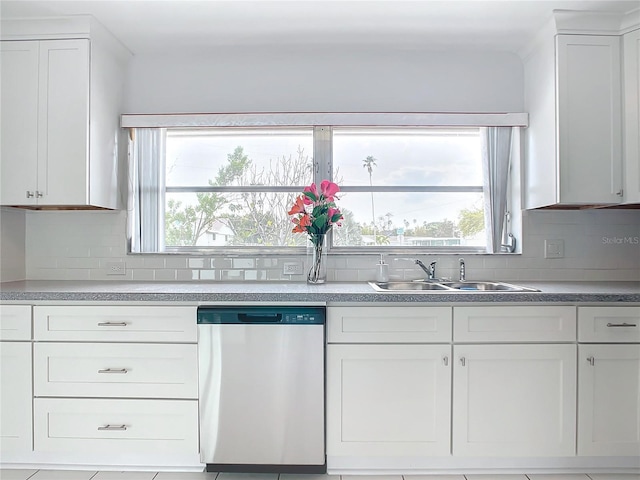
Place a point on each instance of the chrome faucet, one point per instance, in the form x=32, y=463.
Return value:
x=430, y=270
x=463, y=270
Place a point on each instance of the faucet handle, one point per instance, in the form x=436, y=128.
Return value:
x=432, y=271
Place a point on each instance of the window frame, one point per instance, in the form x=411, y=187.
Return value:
x=323, y=124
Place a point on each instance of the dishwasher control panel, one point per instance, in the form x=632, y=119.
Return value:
x=262, y=315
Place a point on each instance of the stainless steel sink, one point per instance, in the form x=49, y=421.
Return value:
x=408, y=286
x=466, y=286
x=488, y=286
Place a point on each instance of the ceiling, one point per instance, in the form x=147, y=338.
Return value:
x=152, y=26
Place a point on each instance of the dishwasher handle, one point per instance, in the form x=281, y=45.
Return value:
x=260, y=317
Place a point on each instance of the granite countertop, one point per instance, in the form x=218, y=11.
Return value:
x=333, y=292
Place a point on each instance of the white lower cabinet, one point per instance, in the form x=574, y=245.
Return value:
x=609, y=400
x=514, y=400
x=388, y=400
x=609, y=381
x=116, y=385
x=16, y=397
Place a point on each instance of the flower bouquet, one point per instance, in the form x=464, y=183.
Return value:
x=315, y=213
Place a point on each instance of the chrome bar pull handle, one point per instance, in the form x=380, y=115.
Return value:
x=463, y=361
x=113, y=370
x=591, y=360
x=445, y=360
x=112, y=324
x=115, y=428
x=623, y=324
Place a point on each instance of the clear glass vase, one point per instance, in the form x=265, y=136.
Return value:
x=317, y=259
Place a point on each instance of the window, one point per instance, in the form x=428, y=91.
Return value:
x=410, y=187
x=229, y=187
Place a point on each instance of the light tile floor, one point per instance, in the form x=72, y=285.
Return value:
x=93, y=475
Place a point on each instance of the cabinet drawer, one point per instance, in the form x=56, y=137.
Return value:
x=514, y=324
x=115, y=426
x=115, y=370
x=115, y=323
x=609, y=324
x=388, y=324
x=15, y=322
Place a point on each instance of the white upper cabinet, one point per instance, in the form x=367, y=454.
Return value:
x=61, y=101
x=631, y=81
x=19, y=114
x=573, y=92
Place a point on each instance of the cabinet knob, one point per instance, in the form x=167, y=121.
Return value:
x=591, y=361
x=29, y=194
x=39, y=194
x=463, y=361
x=620, y=192
x=445, y=360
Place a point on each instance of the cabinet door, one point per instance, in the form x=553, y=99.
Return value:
x=19, y=117
x=631, y=61
x=388, y=400
x=514, y=400
x=589, y=96
x=63, y=133
x=15, y=398
x=608, y=400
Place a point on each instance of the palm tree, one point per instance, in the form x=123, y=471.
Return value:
x=369, y=163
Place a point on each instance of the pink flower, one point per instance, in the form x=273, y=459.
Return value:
x=334, y=215
x=313, y=190
x=328, y=189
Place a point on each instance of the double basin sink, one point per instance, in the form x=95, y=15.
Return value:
x=449, y=286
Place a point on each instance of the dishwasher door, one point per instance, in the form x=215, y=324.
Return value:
x=261, y=386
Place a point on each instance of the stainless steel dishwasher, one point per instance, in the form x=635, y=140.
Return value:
x=261, y=380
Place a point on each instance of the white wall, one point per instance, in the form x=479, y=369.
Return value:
x=332, y=79
x=12, y=245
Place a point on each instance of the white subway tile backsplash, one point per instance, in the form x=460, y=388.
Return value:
x=196, y=263
x=164, y=275
x=78, y=245
x=243, y=263
x=184, y=275
x=207, y=274
x=143, y=275
x=76, y=274
x=153, y=262
x=175, y=261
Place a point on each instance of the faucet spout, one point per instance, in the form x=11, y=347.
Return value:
x=430, y=270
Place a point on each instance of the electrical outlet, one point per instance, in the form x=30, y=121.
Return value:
x=116, y=268
x=553, y=248
x=292, y=268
